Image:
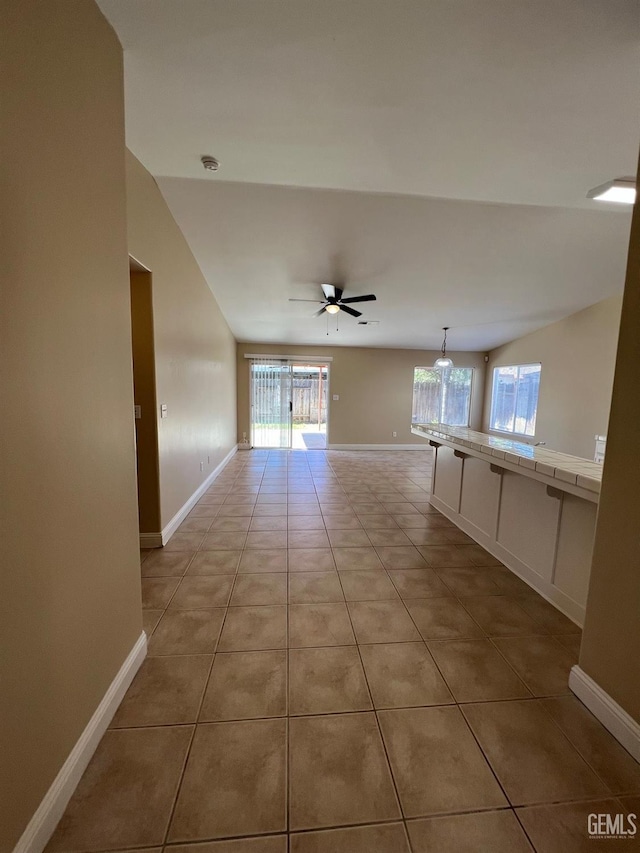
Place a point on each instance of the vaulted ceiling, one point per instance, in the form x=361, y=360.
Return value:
x=497, y=115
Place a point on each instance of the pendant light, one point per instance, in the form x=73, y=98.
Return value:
x=443, y=362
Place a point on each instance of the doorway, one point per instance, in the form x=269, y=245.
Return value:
x=289, y=404
x=144, y=395
x=309, y=406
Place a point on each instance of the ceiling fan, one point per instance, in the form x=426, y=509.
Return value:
x=333, y=301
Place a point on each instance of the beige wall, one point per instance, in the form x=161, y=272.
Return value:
x=375, y=388
x=195, y=350
x=71, y=608
x=610, y=651
x=578, y=357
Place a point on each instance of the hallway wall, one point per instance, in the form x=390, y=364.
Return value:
x=610, y=652
x=71, y=608
x=194, y=348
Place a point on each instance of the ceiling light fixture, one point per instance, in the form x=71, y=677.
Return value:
x=619, y=191
x=332, y=309
x=443, y=362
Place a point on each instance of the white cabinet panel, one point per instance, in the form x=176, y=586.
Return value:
x=528, y=523
x=448, y=474
x=545, y=537
x=575, y=546
x=480, y=495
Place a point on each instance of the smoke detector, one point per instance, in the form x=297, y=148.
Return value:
x=210, y=163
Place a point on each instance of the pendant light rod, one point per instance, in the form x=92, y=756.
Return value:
x=443, y=362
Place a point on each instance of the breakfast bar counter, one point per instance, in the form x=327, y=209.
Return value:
x=531, y=507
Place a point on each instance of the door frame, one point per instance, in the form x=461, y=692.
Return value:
x=301, y=362
x=275, y=360
x=146, y=435
x=311, y=361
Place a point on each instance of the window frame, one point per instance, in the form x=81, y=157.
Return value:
x=441, y=370
x=518, y=367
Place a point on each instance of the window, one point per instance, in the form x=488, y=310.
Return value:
x=514, y=401
x=442, y=396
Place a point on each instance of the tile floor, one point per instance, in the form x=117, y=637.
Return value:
x=333, y=666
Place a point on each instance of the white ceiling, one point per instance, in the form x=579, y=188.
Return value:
x=511, y=101
x=490, y=271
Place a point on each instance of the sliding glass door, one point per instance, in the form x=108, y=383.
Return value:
x=271, y=403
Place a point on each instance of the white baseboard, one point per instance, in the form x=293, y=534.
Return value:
x=422, y=447
x=183, y=512
x=151, y=540
x=614, y=718
x=44, y=821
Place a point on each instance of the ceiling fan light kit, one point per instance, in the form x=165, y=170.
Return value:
x=333, y=301
x=443, y=362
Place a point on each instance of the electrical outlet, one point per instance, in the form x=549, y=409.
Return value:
x=202, y=466
x=394, y=434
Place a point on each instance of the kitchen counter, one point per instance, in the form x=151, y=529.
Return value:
x=531, y=507
x=579, y=472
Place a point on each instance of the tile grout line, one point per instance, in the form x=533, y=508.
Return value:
x=539, y=700
x=380, y=735
x=384, y=745
x=460, y=711
x=461, y=705
x=512, y=668
x=382, y=741
x=195, y=727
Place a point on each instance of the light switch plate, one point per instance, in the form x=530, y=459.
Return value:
x=335, y=397
x=163, y=410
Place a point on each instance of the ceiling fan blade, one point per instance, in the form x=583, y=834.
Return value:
x=317, y=301
x=328, y=290
x=369, y=298
x=350, y=311
x=338, y=291
x=321, y=311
